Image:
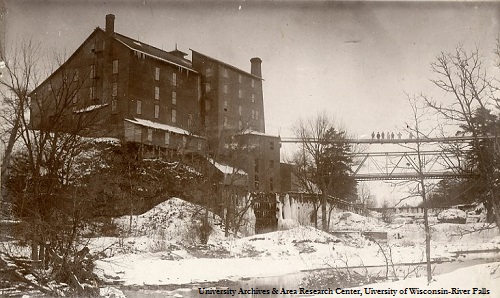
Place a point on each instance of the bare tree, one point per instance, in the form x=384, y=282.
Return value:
x=46, y=128
x=471, y=106
x=365, y=198
x=418, y=113
x=325, y=160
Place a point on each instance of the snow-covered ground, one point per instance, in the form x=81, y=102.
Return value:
x=162, y=249
x=475, y=281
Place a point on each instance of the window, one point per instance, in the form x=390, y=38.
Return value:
x=225, y=73
x=225, y=121
x=150, y=134
x=271, y=164
x=253, y=83
x=256, y=181
x=49, y=87
x=256, y=114
x=92, y=92
x=207, y=87
x=174, y=116
x=240, y=125
x=207, y=105
x=157, y=93
x=115, y=89
x=157, y=73
x=92, y=71
x=208, y=72
x=174, y=97
x=225, y=105
x=174, y=79
x=239, y=78
x=75, y=76
x=271, y=145
x=167, y=138
x=256, y=166
x=115, y=66
x=114, y=105
x=253, y=114
x=138, y=108
x=157, y=111
x=271, y=184
x=253, y=97
x=240, y=110
x=199, y=145
x=240, y=93
x=225, y=88
x=184, y=141
x=190, y=120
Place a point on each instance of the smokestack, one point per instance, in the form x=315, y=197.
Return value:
x=110, y=23
x=256, y=67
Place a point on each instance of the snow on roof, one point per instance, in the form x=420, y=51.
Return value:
x=257, y=133
x=225, y=169
x=228, y=65
x=90, y=108
x=153, y=52
x=161, y=126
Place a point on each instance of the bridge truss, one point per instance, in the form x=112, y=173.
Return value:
x=403, y=163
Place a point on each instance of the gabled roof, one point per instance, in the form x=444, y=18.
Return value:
x=226, y=169
x=228, y=65
x=257, y=133
x=149, y=50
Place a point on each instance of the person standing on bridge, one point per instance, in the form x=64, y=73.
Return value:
x=399, y=135
x=392, y=135
x=378, y=135
x=383, y=135
x=373, y=135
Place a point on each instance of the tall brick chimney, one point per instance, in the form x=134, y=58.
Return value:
x=110, y=23
x=256, y=67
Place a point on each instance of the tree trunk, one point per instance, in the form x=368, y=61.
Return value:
x=4, y=174
x=323, y=213
x=315, y=215
x=228, y=215
x=427, y=233
x=34, y=250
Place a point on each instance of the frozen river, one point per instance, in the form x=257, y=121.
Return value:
x=296, y=280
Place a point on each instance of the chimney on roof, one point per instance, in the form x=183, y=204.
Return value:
x=256, y=67
x=110, y=23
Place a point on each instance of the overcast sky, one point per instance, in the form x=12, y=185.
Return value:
x=354, y=60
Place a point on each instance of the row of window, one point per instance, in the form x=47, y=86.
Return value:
x=225, y=123
x=225, y=74
x=173, y=114
x=225, y=88
x=157, y=76
x=166, y=139
x=271, y=165
x=157, y=95
x=256, y=183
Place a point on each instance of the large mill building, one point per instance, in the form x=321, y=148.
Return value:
x=163, y=100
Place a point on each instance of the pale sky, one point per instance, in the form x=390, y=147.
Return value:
x=354, y=60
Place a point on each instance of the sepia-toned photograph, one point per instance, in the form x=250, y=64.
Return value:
x=252, y=148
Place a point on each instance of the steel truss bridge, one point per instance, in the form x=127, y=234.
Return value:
x=403, y=163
